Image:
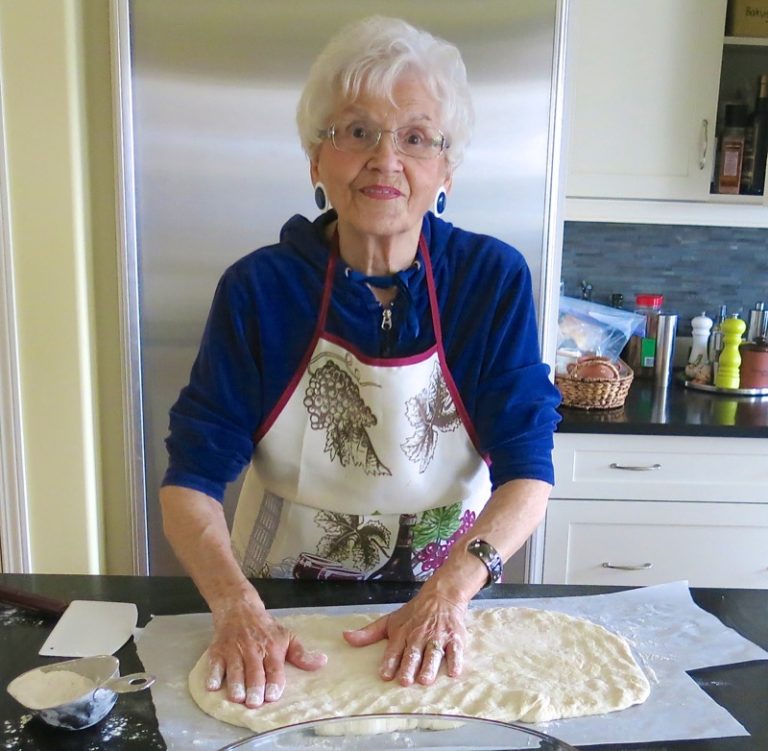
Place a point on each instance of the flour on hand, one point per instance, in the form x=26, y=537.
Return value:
x=520, y=664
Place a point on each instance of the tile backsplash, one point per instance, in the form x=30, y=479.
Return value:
x=695, y=268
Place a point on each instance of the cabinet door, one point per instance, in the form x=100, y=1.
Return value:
x=643, y=83
x=639, y=543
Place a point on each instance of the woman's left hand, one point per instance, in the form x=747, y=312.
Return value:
x=422, y=633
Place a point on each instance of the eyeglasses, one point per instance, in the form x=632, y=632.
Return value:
x=358, y=136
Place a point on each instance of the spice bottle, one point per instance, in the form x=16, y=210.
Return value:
x=641, y=348
x=732, y=144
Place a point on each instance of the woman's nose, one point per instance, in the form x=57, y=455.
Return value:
x=385, y=154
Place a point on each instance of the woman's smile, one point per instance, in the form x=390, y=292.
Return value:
x=381, y=192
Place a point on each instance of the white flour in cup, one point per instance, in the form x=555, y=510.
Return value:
x=40, y=690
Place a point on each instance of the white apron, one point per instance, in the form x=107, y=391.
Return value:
x=366, y=467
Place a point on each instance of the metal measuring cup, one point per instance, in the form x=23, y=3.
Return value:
x=93, y=705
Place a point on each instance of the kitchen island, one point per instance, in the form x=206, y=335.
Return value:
x=132, y=725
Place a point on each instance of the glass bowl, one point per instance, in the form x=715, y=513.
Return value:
x=379, y=732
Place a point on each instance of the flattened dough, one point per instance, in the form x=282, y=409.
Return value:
x=520, y=665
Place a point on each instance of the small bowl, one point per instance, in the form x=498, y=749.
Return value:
x=88, y=707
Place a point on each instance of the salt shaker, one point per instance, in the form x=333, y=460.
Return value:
x=699, y=368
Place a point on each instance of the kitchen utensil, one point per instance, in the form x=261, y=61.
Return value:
x=91, y=627
x=758, y=317
x=385, y=731
x=90, y=706
x=32, y=601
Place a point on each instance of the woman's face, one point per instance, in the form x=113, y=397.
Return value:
x=381, y=192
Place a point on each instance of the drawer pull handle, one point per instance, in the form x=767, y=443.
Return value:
x=636, y=467
x=620, y=567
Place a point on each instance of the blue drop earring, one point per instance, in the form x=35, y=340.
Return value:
x=438, y=208
x=321, y=197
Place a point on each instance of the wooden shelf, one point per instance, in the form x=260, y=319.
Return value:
x=736, y=199
x=745, y=41
x=739, y=211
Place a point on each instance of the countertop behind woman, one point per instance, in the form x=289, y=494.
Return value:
x=676, y=411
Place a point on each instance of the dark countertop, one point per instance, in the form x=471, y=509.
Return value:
x=132, y=725
x=673, y=411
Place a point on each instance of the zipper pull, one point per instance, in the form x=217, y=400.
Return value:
x=386, y=319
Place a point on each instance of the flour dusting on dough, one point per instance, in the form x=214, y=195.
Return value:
x=521, y=664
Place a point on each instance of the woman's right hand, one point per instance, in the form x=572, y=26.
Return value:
x=250, y=649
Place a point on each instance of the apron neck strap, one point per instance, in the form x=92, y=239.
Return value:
x=333, y=258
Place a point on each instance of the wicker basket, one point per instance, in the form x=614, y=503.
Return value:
x=595, y=393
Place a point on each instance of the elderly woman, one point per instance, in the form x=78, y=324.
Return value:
x=379, y=369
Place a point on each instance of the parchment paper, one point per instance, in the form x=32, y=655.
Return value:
x=668, y=632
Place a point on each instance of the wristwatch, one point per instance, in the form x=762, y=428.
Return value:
x=490, y=558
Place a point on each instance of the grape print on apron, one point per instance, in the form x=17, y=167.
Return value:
x=367, y=468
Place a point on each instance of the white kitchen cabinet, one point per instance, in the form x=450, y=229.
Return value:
x=657, y=467
x=643, y=78
x=635, y=510
x=637, y=543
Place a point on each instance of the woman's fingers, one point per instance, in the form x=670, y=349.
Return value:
x=303, y=658
x=235, y=681
x=215, y=673
x=254, y=678
x=454, y=656
x=410, y=662
x=430, y=662
x=370, y=634
x=423, y=634
x=248, y=653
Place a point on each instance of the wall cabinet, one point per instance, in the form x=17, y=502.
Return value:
x=647, y=82
x=636, y=510
x=644, y=78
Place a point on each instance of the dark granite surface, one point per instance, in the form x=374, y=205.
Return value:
x=673, y=411
x=132, y=725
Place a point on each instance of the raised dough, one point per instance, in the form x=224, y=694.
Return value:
x=520, y=664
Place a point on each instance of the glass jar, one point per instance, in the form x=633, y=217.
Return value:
x=640, y=352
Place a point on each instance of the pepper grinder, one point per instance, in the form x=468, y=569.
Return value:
x=716, y=341
x=699, y=368
x=730, y=359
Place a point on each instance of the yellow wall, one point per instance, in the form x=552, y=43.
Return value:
x=56, y=89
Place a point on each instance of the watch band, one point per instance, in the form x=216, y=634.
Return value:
x=490, y=558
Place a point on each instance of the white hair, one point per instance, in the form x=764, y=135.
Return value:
x=372, y=55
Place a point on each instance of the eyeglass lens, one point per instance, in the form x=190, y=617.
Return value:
x=420, y=141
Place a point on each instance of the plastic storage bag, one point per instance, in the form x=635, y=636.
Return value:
x=588, y=328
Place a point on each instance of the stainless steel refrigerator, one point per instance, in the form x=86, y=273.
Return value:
x=211, y=167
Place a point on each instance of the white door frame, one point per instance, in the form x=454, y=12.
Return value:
x=14, y=526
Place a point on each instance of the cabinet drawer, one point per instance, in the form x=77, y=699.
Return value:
x=641, y=543
x=661, y=467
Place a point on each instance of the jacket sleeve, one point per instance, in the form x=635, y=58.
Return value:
x=212, y=423
x=515, y=410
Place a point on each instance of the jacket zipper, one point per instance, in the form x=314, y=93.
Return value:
x=386, y=327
